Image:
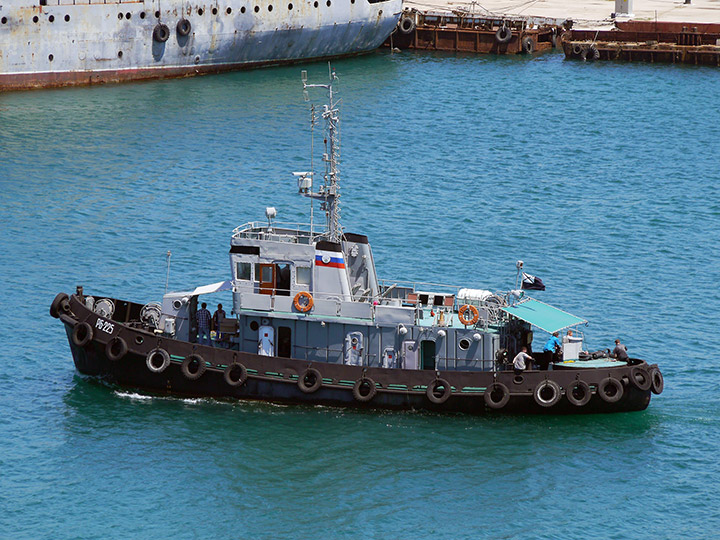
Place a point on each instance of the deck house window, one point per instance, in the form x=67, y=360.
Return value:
x=302, y=276
x=243, y=271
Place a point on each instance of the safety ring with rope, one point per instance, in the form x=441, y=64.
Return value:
x=307, y=305
x=464, y=319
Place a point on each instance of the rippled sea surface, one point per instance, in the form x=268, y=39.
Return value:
x=602, y=177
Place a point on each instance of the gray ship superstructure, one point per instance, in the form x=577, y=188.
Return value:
x=71, y=42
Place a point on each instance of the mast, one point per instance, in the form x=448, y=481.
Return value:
x=329, y=192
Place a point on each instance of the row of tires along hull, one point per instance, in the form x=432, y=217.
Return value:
x=309, y=385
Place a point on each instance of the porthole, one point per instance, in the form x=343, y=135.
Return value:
x=139, y=340
x=119, y=54
x=228, y=11
x=464, y=344
x=157, y=14
x=315, y=4
x=242, y=9
x=120, y=16
x=214, y=11
x=128, y=15
x=51, y=18
x=142, y=14
x=270, y=7
x=257, y=8
x=352, y=1
x=254, y=325
x=290, y=6
x=35, y=19
x=328, y=3
x=3, y=20
x=51, y=57
x=200, y=11
x=67, y=18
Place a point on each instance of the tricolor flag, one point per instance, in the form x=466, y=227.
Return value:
x=532, y=283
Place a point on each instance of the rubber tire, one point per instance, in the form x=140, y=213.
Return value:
x=577, y=49
x=575, y=401
x=82, y=334
x=658, y=382
x=61, y=304
x=161, y=33
x=356, y=389
x=228, y=374
x=122, y=349
x=442, y=398
x=406, y=29
x=590, y=53
x=165, y=356
x=183, y=27
x=313, y=387
x=185, y=368
x=603, y=386
x=503, y=35
x=644, y=386
x=503, y=401
x=547, y=384
x=528, y=45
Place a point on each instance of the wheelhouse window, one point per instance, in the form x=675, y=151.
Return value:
x=302, y=275
x=243, y=271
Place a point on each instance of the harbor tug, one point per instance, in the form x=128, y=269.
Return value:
x=312, y=323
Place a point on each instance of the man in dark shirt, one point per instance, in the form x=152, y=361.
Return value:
x=620, y=351
x=217, y=318
x=203, y=319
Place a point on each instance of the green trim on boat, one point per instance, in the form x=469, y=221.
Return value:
x=474, y=389
x=251, y=370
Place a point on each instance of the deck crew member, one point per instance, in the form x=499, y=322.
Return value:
x=519, y=361
x=552, y=347
x=620, y=352
x=217, y=318
x=203, y=319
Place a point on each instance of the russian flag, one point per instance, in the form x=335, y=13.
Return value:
x=329, y=261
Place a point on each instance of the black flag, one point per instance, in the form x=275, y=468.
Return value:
x=532, y=283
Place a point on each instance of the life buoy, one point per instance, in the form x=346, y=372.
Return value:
x=157, y=360
x=407, y=25
x=503, y=35
x=658, y=383
x=497, y=395
x=640, y=378
x=611, y=390
x=434, y=394
x=188, y=365
x=310, y=380
x=578, y=393
x=468, y=321
x=528, y=45
x=82, y=334
x=303, y=308
x=547, y=393
x=183, y=27
x=364, y=389
x=235, y=374
x=116, y=348
x=60, y=305
x=161, y=33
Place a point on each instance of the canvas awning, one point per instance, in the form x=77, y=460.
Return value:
x=214, y=287
x=544, y=316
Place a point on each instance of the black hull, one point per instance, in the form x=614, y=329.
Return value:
x=275, y=379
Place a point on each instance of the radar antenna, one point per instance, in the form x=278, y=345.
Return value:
x=329, y=192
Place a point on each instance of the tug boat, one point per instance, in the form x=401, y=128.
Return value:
x=312, y=323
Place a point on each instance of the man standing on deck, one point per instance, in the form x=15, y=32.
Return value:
x=551, y=348
x=203, y=319
x=217, y=318
x=620, y=352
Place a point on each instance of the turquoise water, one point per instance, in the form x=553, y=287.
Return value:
x=602, y=177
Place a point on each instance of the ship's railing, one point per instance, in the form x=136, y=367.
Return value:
x=292, y=233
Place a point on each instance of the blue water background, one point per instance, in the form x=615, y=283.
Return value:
x=602, y=177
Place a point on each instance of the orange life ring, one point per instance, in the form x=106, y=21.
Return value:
x=309, y=301
x=472, y=309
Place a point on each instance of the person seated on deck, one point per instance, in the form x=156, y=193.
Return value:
x=519, y=361
x=620, y=352
x=552, y=347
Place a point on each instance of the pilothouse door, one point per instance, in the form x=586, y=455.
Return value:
x=267, y=278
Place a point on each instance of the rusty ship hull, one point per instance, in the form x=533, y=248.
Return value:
x=66, y=42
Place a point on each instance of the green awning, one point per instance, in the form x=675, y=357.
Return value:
x=544, y=316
